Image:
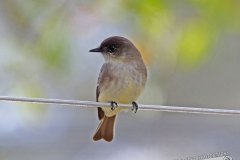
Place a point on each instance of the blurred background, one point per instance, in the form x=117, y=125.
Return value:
x=191, y=48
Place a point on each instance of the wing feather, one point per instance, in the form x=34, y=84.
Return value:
x=102, y=76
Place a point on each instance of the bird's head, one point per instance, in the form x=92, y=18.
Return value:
x=117, y=48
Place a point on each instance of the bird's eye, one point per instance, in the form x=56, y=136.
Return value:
x=112, y=49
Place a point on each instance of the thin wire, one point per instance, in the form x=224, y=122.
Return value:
x=91, y=104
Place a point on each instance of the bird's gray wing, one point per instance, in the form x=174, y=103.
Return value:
x=103, y=74
x=100, y=111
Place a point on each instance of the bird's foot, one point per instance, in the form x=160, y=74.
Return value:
x=114, y=105
x=134, y=107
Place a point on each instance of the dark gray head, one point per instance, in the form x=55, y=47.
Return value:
x=117, y=48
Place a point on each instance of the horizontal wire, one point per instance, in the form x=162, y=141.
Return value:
x=92, y=104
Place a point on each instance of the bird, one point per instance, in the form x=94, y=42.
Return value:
x=122, y=78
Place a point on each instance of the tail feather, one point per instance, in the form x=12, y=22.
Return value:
x=105, y=129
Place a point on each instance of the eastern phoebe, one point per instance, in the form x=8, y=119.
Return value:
x=121, y=80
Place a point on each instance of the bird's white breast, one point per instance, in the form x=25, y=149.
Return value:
x=125, y=86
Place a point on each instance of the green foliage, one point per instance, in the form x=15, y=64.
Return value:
x=52, y=44
x=41, y=29
x=196, y=24
x=194, y=44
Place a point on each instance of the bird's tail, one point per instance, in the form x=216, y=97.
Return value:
x=105, y=129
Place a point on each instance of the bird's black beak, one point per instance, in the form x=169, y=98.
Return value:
x=96, y=50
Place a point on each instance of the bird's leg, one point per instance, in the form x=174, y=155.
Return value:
x=113, y=105
x=134, y=107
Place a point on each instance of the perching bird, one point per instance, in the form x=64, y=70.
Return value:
x=121, y=80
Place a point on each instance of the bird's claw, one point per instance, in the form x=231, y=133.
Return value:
x=134, y=107
x=113, y=105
